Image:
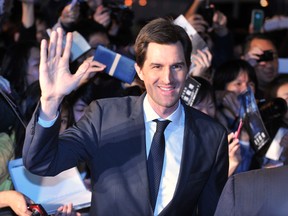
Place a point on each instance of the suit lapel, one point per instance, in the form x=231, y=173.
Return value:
x=188, y=156
x=137, y=120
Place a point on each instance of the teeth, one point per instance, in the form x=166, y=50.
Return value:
x=166, y=88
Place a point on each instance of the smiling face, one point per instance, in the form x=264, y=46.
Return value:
x=164, y=74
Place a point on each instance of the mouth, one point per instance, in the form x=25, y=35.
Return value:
x=167, y=90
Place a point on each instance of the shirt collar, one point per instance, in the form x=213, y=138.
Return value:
x=150, y=114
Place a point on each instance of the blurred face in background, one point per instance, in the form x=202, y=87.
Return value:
x=79, y=109
x=240, y=84
x=33, y=65
x=266, y=71
x=93, y=4
x=282, y=92
x=207, y=106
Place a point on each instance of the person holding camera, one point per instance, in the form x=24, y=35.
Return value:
x=276, y=122
x=211, y=24
x=261, y=53
x=133, y=172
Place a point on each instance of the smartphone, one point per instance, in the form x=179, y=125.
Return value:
x=257, y=20
x=208, y=12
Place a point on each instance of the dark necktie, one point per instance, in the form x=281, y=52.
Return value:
x=155, y=160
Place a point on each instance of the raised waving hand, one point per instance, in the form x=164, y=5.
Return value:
x=56, y=80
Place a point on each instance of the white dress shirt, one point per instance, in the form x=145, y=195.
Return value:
x=174, y=134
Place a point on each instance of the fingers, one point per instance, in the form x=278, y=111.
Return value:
x=230, y=137
x=68, y=45
x=87, y=70
x=234, y=149
x=204, y=58
x=102, y=16
x=197, y=21
x=65, y=210
x=55, y=46
x=43, y=52
x=59, y=42
x=52, y=45
x=5, y=84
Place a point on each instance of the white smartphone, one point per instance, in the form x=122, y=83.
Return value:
x=257, y=20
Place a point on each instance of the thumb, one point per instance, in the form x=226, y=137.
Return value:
x=83, y=68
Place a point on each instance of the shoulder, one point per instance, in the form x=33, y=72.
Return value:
x=271, y=174
x=116, y=102
x=201, y=119
x=117, y=108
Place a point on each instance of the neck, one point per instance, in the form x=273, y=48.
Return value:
x=163, y=111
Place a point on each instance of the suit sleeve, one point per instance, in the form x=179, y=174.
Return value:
x=46, y=153
x=226, y=204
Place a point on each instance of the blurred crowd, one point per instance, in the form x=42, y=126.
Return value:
x=240, y=83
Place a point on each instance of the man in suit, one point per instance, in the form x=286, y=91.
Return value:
x=114, y=136
x=258, y=192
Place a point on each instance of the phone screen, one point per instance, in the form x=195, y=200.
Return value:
x=257, y=20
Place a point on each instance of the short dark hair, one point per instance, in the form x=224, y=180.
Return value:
x=206, y=90
x=161, y=31
x=279, y=81
x=250, y=38
x=228, y=71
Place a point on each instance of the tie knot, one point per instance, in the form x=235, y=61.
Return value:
x=161, y=125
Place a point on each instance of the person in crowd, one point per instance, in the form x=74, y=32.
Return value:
x=261, y=53
x=211, y=24
x=201, y=64
x=256, y=192
x=7, y=116
x=114, y=136
x=230, y=80
x=276, y=122
x=205, y=102
x=20, y=66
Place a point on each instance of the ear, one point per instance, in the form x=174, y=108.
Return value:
x=139, y=71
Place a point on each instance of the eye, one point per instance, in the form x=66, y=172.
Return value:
x=156, y=67
x=177, y=67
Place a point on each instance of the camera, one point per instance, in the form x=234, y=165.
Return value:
x=37, y=210
x=268, y=55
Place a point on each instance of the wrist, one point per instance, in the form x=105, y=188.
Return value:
x=49, y=107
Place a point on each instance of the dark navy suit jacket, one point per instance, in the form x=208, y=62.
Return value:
x=111, y=139
x=262, y=192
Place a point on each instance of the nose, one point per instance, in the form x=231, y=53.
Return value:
x=243, y=87
x=167, y=75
